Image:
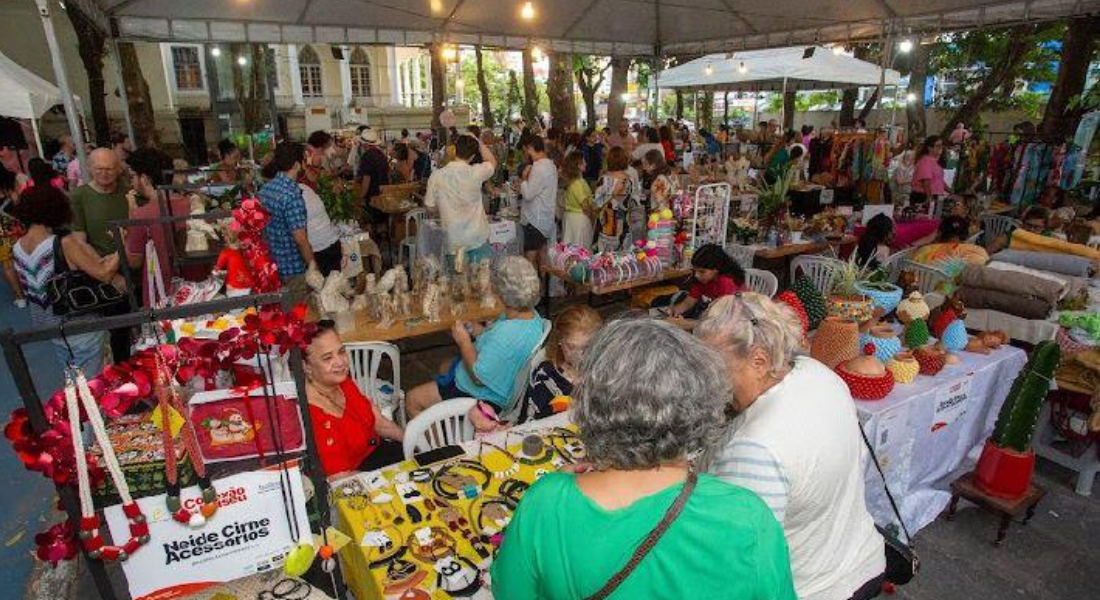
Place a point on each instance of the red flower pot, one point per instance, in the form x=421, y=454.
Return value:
x=1004, y=472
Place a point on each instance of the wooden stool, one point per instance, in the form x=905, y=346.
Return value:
x=1008, y=509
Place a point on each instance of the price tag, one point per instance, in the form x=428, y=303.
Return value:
x=376, y=539
x=502, y=232
x=424, y=535
x=408, y=492
x=826, y=196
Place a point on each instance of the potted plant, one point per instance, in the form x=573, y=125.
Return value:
x=1007, y=461
x=771, y=202
x=884, y=294
x=846, y=300
x=744, y=230
x=339, y=199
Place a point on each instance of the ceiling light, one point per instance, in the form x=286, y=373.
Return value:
x=242, y=61
x=708, y=70
x=449, y=53
x=910, y=97
x=905, y=46
x=838, y=49
x=215, y=52
x=436, y=6
x=742, y=68
x=536, y=53
x=528, y=11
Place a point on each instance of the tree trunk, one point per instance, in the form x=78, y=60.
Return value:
x=679, y=104
x=487, y=119
x=590, y=76
x=93, y=46
x=137, y=91
x=789, y=98
x=1004, y=70
x=559, y=87
x=514, y=98
x=439, y=90
x=917, y=125
x=616, y=107
x=848, y=99
x=248, y=88
x=726, y=109
x=706, y=112
x=868, y=106
x=1077, y=51
x=530, y=92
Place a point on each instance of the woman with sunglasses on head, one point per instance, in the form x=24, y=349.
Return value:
x=350, y=432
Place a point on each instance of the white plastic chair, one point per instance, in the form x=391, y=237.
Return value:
x=409, y=244
x=820, y=269
x=892, y=264
x=744, y=255
x=439, y=425
x=928, y=278
x=995, y=226
x=523, y=377
x=761, y=281
x=974, y=238
x=366, y=359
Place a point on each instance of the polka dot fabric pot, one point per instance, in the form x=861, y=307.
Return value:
x=867, y=388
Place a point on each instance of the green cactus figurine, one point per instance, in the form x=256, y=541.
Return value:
x=811, y=299
x=916, y=334
x=1016, y=421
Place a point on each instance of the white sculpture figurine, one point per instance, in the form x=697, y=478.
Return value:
x=429, y=303
x=485, y=284
x=199, y=232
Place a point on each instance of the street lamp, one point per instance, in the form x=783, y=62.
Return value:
x=242, y=61
x=708, y=70
x=905, y=46
x=215, y=52
x=528, y=11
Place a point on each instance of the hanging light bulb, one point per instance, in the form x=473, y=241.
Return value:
x=528, y=11
x=742, y=68
x=910, y=97
x=215, y=52
x=838, y=49
x=708, y=70
x=449, y=53
x=536, y=53
x=242, y=61
x=905, y=46
x=436, y=6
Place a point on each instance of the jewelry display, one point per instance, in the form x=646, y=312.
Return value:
x=401, y=575
x=287, y=589
x=459, y=481
x=498, y=473
x=439, y=544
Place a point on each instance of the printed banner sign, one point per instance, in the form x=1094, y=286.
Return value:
x=249, y=534
x=952, y=402
x=502, y=232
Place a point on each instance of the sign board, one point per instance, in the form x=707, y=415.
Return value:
x=502, y=232
x=826, y=196
x=249, y=534
x=952, y=402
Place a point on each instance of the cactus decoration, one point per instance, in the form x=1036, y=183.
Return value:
x=1016, y=421
x=812, y=300
x=916, y=334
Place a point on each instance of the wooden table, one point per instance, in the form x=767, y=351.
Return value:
x=666, y=275
x=367, y=330
x=1007, y=509
x=780, y=257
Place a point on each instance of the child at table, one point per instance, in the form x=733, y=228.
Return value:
x=716, y=275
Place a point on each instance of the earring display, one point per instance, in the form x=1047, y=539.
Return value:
x=462, y=511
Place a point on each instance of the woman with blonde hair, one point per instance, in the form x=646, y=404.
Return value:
x=796, y=442
x=556, y=377
x=579, y=210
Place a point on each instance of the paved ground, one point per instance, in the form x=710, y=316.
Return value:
x=1053, y=558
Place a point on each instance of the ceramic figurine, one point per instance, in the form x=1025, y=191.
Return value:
x=199, y=232
x=484, y=285
x=429, y=303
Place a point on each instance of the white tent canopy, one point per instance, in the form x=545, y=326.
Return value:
x=627, y=27
x=776, y=70
x=24, y=95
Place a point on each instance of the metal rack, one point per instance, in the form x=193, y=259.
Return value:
x=12, y=343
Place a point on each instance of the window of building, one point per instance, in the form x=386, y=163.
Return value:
x=187, y=68
x=309, y=67
x=360, y=74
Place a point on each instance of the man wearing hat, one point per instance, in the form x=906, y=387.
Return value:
x=374, y=171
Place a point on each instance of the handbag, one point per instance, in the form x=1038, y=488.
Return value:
x=73, y=293
x=650, y=540
x=902, y=562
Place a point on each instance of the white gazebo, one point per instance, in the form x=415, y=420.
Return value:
x=24, y=95
x=780, y=69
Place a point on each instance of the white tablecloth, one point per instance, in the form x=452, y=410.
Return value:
x=919, y=462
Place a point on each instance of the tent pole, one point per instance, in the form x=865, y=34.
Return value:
x=887, y=47
x=123, y=97
x=38, y=139
x=63, y=86
x=784, y=121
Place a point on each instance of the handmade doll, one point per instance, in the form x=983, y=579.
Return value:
x=199, y=232
x=238, y=277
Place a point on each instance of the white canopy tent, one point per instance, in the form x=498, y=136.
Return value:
x=776, y=70
x=24, y=95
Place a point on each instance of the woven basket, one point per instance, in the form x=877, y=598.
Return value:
x=886, y=299
x=904, y=367
x=864, y=387
x=855, y=308
x=916, y=334
x=836, y=341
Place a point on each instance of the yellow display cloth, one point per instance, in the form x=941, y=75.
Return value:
x=453, y=535
x=1033, y=242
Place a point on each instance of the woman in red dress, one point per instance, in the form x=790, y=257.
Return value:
x=350, y=433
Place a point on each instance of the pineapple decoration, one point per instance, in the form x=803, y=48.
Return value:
x=812, y=300
x=791, y=299
x=916, y=334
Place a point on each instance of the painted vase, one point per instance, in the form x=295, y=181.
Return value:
x=954, y=337
x=904, y=367
x=884, y=340
x=916, y=334
x=931, y=360
x=884, y=295
x=913, y=307
x=836, y=341
x=855, y=308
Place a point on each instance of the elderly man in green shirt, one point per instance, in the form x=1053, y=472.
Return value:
x=100, y=201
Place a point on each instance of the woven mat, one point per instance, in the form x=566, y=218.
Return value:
x=249, y=588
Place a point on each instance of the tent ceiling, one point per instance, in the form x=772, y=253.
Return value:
x=775, y=70
x=599, y=26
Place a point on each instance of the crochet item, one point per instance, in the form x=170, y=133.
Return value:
x=883, y=340
x=913, y=307
x=811, y=299
x=941, y=321
x=836, y=341
x=954, y=336
x=904, y=367
x=884, y=295
x=857, y=308
x=916, y=334
x=791, y=299
x=865, y=376
x=931, y=361
x=1088, y=321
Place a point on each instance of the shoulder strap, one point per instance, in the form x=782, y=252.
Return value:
x=60, y=265
x=650, y=541
x=889, y=496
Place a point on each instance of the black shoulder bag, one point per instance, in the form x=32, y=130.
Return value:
x=73, y=293
x=902, y=562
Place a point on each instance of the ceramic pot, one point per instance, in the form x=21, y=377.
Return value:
x=855, y=308
x=904, y=367
x=866, y=378
x=884, y=340
x=954, y=336
x=884, y=295
x=836, y=341
x=913, y=307
x=1004, y=472
x=931, y=361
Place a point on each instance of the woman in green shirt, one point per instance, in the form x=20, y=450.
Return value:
x=577, y=221
x=650, y=397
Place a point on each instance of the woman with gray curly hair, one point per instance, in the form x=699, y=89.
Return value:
x=486, y=368
x=796, y=443
x=650, y=400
